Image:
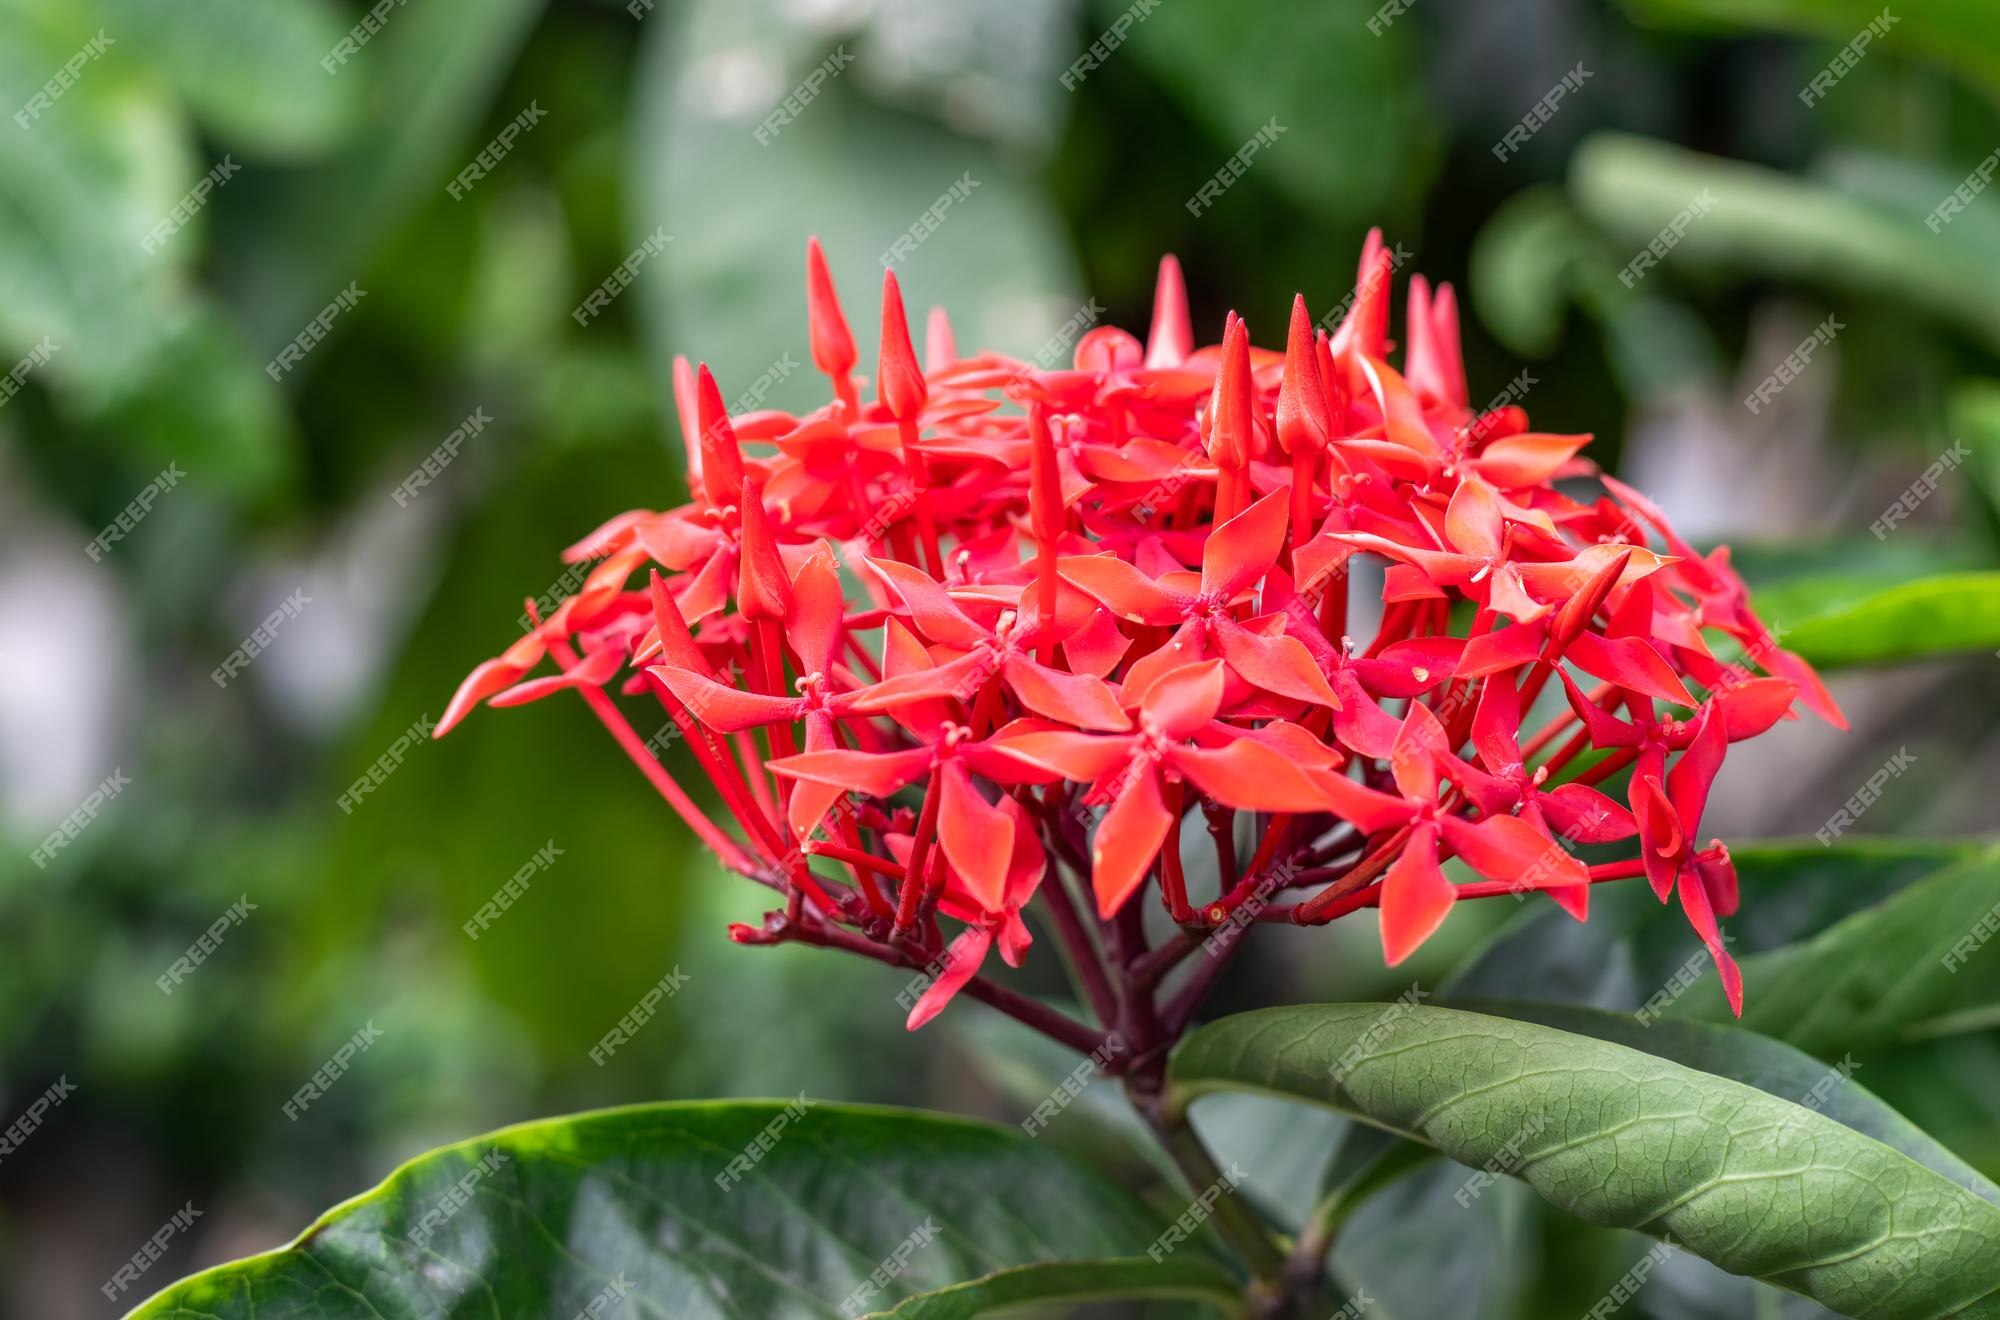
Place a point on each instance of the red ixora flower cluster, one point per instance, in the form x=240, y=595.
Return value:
x=1074, y=607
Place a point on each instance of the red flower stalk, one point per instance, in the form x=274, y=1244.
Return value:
x=1097, y=602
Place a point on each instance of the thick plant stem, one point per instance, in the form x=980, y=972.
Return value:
x=1234, y=1220
x=1305, y=1267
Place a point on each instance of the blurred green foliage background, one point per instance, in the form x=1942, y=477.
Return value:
x=337, y=175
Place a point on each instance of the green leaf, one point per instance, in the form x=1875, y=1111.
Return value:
x=1755, y=1060
x=137, y=348
x=1975, y=413
x=1961, y=34
x=250, y=69
x=1633, y=944
x=1869, y=562
x=559, y=1211
x=1770, y=225
x=1896, y=969
x=1073, y=1281
x=1522, y=269
x=1836, y=622
x=430, y=75
x=1360, y=136
x=1615, y=1136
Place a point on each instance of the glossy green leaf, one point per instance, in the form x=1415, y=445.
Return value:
x=1902, y=967
x=1074, y=1281
x=1756, y=1060
x=1756, y=1184
x=625, y=1205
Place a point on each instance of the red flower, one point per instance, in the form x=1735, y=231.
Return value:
x=1122, y=583
x=1128, y=772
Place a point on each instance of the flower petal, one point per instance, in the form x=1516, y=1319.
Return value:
x=1496, y=724
x=1183, y=699
x=978, y=838
x=1241, y=551
x=1124, y=590
x=1630, y=662
x=595, y=670
x=961, y=963
x=878, y=774
x=1406, y=668
x=1694, y=773
x=1580, y=813
x=1750, y=707
x=723, y=708
x=1074, y=699
x=1694, y=902
x=1415, y=897
x=933, y=611
x=1473, y=521
x=1061, y=754
x=1503, y=650
x=1414, y=759
x=956, y=680
x=1526, y=460
x=1368, y=810
x=1510, y=850
x=1249, y=776
x=1281, y=665
x=1128, y=839
x=818, y=613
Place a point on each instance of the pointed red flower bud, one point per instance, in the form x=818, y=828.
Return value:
x=940, y=347
x=1231, y=423
x=1172, y=336
x=1366, y=329
x=832, y=343
x=688, y=413
x=1045, y=501
x=763, y=589
x=1431, y=358
x=1418, y=368
x=1333, y=382
x=1303, y=425
x=721, y=460
x=1449, y=356
x=901, y=388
